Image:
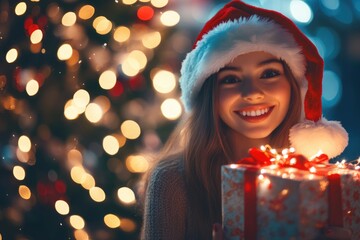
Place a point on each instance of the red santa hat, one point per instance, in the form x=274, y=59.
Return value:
x=239, y=28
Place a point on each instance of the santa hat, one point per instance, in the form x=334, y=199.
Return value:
x=239, y=28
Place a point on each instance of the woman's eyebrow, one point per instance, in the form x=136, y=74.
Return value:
x=229, y=68
x=268, y=61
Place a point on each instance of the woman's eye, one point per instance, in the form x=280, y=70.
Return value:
x=270, y=73
x=230, y=80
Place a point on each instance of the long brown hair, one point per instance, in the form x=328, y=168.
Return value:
x=205, y=149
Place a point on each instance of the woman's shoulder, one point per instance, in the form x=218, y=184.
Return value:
x=168, y=171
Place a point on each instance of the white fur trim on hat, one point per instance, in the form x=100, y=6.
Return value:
x=308, y=138
x=230, y=39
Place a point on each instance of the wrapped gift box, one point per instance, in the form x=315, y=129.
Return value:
x=287, y=203
x=271, y=203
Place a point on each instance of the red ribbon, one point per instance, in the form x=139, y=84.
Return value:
x=250, y=222
x=335, y=201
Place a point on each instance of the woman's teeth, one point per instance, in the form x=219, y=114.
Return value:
x=254, y=113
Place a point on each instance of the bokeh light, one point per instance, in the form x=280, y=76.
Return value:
x=107, y=80
x=11, y=55
x=86, y=12
x=137, y=164
x=130, y=129
x=36, y=36
x=20, y=8
x=64, y=52
x=111, y=220
x=170, y=18
x=24, y=143
x=126, y=195
x=77, y=222
x=97, y=194
x=301, y=11
x=111, y=145
x=19, y=173
x=159, y=3
x=171, y=109
x=145, y=13
x=62, y=207
x=32, y=87
x=151, y=40
x=81, y=98
x=24, y=192
x=93, y=112
x=164, y=81
x=121, y=34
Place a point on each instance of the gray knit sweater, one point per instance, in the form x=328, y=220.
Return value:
x=166, y=203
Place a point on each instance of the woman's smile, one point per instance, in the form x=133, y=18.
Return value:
x=255, y=114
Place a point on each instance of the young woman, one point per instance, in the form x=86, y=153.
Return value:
x=242, y=85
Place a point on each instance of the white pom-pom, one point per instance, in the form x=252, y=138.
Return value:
x=309, y=138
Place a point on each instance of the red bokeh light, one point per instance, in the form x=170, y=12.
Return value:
x=145, y=13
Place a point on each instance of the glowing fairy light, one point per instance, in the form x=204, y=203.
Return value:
x=68, y=19
x=78, y=174
x=126, y=195
x=164, y=81
x=127, y=225
x=129, y=2
x=145, y=13
x=62, y=207
x=102, y=25
x=86, y=12
x=171, y=109
x=159, y=3
x=151, y=40
x=170, y=18
x=93, y=113
x=24, y=192
x=24, y=143
x=88, y=181
x=64, y=52
x=19, y=173
x=112, y=221
x=137, y=164
x=130, y=129
x=32, y=87
x=70, y=110
x=20, y=8
x=77, y=222
x=11, y=55
x=121, y=34
x=312, y=169
x=81, y=98
x=110, y=145
x=36, y=36
x=107, y=80
x=81, y=234
x=97, y=194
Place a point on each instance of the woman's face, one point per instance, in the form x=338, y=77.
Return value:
x=254, y=94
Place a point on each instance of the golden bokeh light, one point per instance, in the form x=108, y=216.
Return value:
x=139, y=57
x=86, y=12
x=97, y=194
x=130, y=129
x=129, y=2
x=62, y=207
x=19, y=173
x=20, y=8
x=68, y=19
x=159, y=3
x=171, y=109
x=111, y=145
x=74, y=157
x=137, y=164
x=170, y=18
x=24, y=143
x=126, y=195
x=121, y=34
x=36, y=36
x=24, y=192
x=103, y=102
x=81, y=98
x=130, y=67
x=71, y=112
x=32, y=87
x=164, y=81
x=102, y=25
x=11, y=55
x=89, y=182
x=77, y=222
x=78, y=174
x=107, y=80
x=127, y=225
x=93, y=113
x=111, y=220
x=80, y=234
x=151, y=40
x=64, y=52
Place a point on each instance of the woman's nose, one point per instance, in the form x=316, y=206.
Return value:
x=251, y=91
